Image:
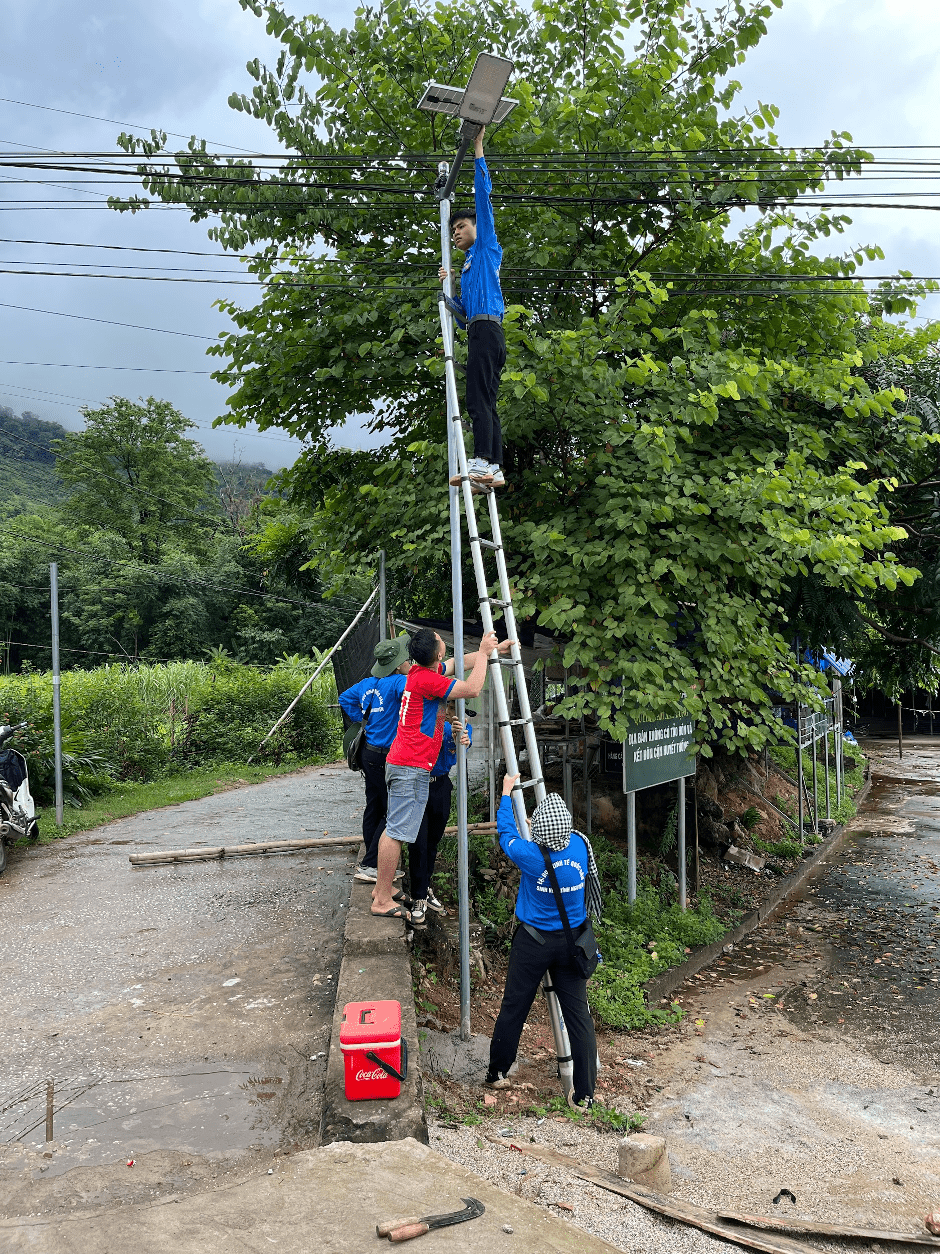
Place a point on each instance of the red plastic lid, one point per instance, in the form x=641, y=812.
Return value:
x=370, y=1021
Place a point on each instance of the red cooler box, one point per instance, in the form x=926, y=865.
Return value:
x=375, y=1057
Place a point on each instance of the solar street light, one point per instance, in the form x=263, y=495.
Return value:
x=478, y=104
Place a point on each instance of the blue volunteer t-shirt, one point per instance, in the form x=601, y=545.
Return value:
x=447, y=758
x=535, y=903
x=480, y=274
x=381, y=697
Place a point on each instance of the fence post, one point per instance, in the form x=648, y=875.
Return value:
x=826, y=756
x=56, y=687
x=838, y=738
x=813, y=756
x=800, y=779
x=681, y=839
x=383, y=612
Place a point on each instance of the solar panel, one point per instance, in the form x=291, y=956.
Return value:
x=439, y=99
x=480, y=101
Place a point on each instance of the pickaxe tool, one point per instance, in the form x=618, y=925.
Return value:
x=404, y=1229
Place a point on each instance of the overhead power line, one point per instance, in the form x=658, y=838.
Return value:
x=136, y=126
x=73, y=365
x=59, y=313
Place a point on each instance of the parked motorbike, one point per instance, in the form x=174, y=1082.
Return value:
x=17, y=809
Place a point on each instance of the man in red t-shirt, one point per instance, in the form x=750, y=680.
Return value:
x=414, y=751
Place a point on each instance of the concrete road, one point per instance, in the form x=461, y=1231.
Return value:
x=181, y=1012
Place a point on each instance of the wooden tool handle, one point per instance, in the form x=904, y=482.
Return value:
x=389, y=1225
x=407, y=1231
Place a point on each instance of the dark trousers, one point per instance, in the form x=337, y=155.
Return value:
x=529, y=961
x=486, y=357
x=377, y=802
x=421, y=855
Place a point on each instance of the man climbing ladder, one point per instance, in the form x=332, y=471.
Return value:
x=481, y=308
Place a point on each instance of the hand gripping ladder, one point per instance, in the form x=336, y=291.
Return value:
x=457, y=463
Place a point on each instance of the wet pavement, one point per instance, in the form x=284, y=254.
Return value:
x=810, y=1056
x=181, y=1012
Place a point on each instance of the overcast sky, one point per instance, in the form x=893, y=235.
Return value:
x=865, y=66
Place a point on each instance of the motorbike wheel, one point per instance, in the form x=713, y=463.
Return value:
x=3, y=856
x=32, y=830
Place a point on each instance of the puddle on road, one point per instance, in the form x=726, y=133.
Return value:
x=98, y=1121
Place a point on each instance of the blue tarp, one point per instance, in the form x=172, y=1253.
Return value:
x=829, y=661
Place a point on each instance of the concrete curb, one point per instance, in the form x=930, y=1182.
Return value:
x=663, y=985
x=376, y=964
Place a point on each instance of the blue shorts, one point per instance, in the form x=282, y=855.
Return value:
x=408, y=796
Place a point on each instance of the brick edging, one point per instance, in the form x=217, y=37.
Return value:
x=666, y=983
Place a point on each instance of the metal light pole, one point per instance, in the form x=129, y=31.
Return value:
x=56, y=686
x=457, y=614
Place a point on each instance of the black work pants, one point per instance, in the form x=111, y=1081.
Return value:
x=421, y=855
x=486, y=357
x=529, y=961
x=377, y=801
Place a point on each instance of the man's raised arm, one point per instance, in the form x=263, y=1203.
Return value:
x=470, y=659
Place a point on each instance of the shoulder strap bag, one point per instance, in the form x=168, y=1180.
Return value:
x=583, y=949
x=354, y=741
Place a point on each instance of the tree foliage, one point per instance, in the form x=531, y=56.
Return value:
x=693, y=414
x=134, y=467
x=210, y=581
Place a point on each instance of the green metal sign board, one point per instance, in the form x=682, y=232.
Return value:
x=655, y=753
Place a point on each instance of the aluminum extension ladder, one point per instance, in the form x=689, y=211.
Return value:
x=457, y=463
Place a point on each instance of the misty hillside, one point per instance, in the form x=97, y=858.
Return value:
x=27, y=463
x=28, y=474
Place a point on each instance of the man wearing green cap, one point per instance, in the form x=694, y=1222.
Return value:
x=376, y=699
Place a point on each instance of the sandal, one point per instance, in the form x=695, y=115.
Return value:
x=403, y=899
x=397, y=912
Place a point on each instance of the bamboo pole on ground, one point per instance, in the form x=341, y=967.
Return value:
x=209, y=853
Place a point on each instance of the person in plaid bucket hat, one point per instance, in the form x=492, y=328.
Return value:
x=539, y=943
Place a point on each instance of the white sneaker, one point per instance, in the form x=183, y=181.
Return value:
x=433, y=903
x=496, y=476
x=369, y=874
x=418, y=912
x=478, y=471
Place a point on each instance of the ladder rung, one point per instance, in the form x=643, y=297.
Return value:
x=505, y=661
x=515, y=722
x=495, y=601
x=527, y=783
x=485, y=544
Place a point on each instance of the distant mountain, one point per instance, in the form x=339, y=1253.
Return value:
x=28, y=476
x=27, y=463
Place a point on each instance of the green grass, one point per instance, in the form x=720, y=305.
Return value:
x=127, y=799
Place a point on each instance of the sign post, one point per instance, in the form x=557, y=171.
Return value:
x=656, y=753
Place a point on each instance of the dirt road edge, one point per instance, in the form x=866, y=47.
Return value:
x=662, y=986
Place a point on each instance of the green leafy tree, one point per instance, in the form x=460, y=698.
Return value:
x=691, y=413
x=134, y=471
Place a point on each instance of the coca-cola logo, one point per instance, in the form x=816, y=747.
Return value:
x=378, y=1074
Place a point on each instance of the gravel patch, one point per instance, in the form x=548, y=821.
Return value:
x=615, y=1219
x=603, y=1214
